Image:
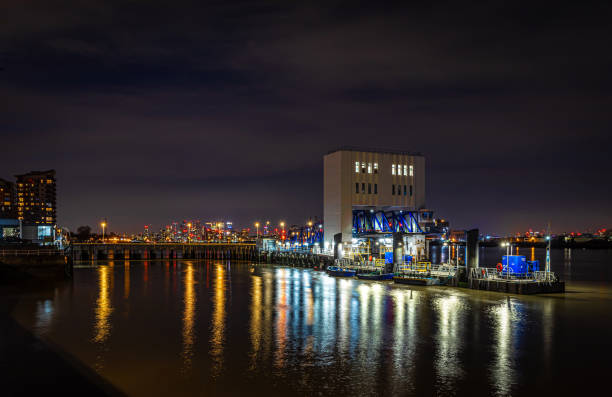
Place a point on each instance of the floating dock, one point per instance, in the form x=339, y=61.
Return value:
x=523, y=287
x=490, y=279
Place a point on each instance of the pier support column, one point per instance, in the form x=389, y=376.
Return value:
x=337, y=245
x=398, y=253
x=471, y=260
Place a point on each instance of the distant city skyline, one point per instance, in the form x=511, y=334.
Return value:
x=122, y=223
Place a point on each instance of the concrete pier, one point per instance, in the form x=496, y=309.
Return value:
x=37, y=263
x=299, y=259
x=149, y=251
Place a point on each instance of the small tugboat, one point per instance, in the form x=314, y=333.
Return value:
x=340, y=272
x=378, y=275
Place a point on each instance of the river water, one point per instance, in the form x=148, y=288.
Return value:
x=183, y=327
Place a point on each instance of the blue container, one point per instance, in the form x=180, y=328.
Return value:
x=516, y=263
x=388, y=257
x=407, y=258
x=534, y=266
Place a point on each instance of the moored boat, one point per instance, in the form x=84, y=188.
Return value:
x=340, y=272
x=375, y=276
x=416, y=280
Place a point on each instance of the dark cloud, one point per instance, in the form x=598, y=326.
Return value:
x=153, y=111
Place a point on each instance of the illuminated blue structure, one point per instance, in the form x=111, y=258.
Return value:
x=370, y=222
x=306, y=236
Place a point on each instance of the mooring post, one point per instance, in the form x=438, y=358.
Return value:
x=398, y=253
x=337, y=245
x=471, y=260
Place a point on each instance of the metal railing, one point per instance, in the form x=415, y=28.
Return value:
x=361, y=266
x=545, y=276
x=344, y=262
x=444, y=270
x=30, y=252
x=107, y=243
x=426, y=269
x=491, y=273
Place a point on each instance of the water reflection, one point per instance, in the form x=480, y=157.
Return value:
x=103, y=307
x=218, y=321
x=44, y=316
x=145, y=276
x=567, y=262
x=344, y=307
x=268, y=312
x=281, y=316
x=547, y=331
x=308, y=302
x=405, y=335
x=503, y=365
x=325, y=317
x=319, y=320
x=126, y=279
x=375, y=330
x=370, y=327
x=189, y=302
x=294, y=329
x=448, y=343
x=256, y=319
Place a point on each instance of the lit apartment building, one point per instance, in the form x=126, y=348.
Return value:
x=34, y=199
x=7, y=190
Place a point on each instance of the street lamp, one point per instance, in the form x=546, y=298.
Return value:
x=257, y=227
x=282, y=225
x=189, y=232
x=457, y=250
x=508, y=252
x=446, y=244
x=103, y=224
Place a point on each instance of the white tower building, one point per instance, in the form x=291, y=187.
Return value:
x=369, y=180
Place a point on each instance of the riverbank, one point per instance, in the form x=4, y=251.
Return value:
x=33, y=366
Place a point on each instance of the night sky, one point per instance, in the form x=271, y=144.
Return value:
x=156, y=111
